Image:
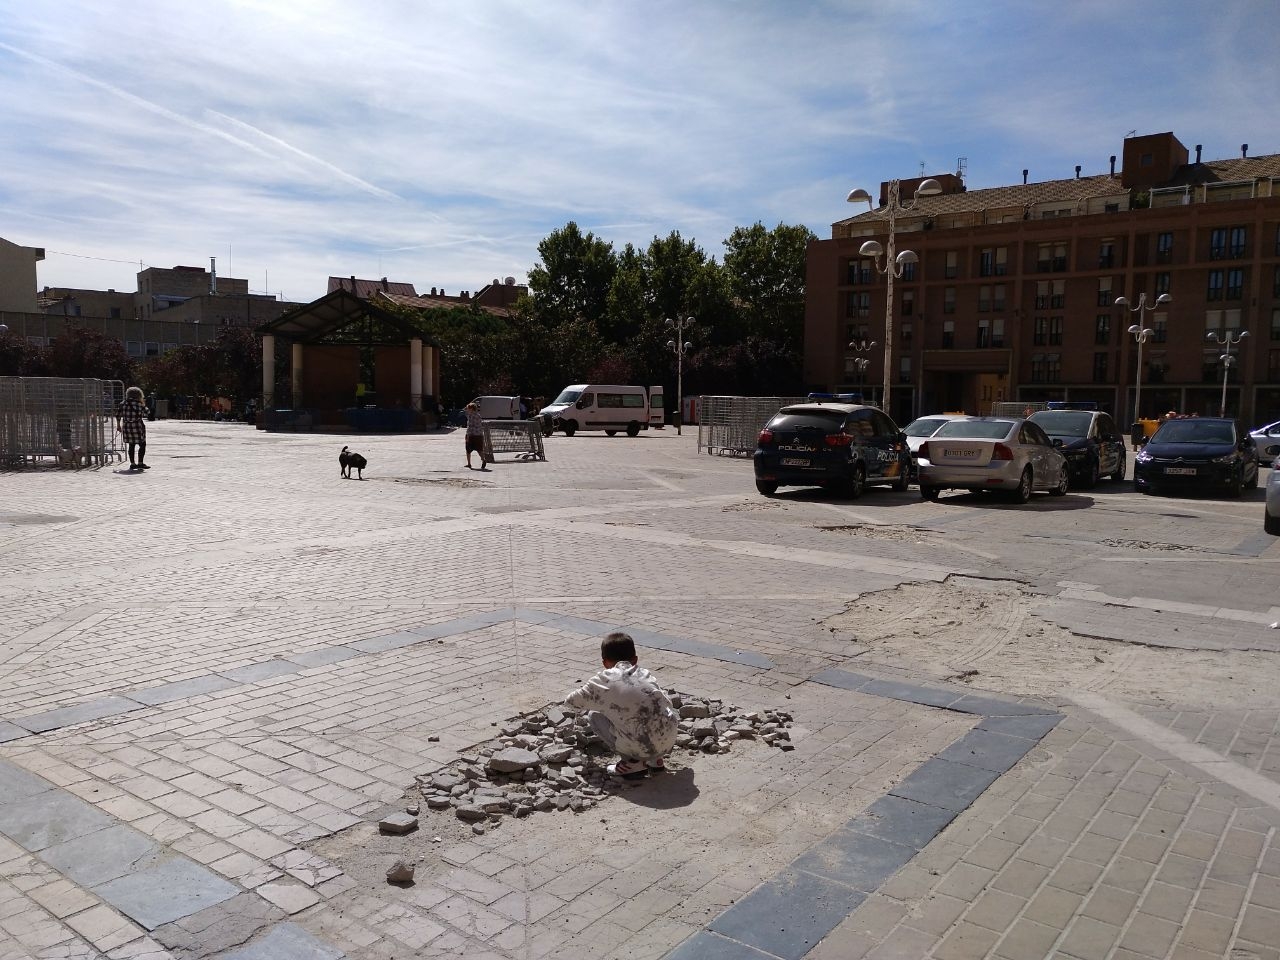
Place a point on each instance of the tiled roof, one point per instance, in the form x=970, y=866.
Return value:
x=364, y=289
x=1227, y=171
x=1019, y=195
x=444, y=303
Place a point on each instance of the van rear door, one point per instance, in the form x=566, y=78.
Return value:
x=657, y=407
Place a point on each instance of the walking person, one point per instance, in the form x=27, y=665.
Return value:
x=475, y=434
x=131, y=421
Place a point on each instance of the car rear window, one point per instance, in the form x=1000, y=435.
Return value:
x=924, y=427
x=975, y=429
x=1063, y=423
x=797, y=421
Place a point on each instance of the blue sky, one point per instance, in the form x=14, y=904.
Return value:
x=437, y=142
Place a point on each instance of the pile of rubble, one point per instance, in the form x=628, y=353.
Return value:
x=552, y=760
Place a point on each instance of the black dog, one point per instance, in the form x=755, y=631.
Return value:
x=351, y=460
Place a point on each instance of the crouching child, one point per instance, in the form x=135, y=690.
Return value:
x=628, y=710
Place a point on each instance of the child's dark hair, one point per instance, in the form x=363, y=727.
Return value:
x=618, y=646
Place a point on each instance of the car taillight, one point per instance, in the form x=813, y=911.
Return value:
x=765, y=439
x=1001, y=452
x=839, y=439
x=923, y=452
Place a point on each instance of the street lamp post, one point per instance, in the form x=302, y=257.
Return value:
x=861, y=362
x=889, y=264
x=679, y=346
x=1226, y=341
x=1141, y=334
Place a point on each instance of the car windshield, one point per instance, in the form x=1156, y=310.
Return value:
x=1063, y=423
x=1195, y=431
x=976, y=429
x=924, y=427
x=567, y=396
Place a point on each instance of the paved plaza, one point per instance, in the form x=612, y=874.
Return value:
x=1018, y=732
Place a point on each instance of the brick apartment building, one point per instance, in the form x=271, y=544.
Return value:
x=1014, y=294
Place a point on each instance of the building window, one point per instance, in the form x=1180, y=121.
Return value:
x=997, y=332
x=1214, y=291
x=153, y=349
x=948, y=334
x=115, y=313
x=997, y=298
x=1275, y=282
x=1037, y=368
x=1100, y=368
x=1164, y=247
x=1160, y=324
x=984, y=299
x=984, y=334
x=1273, y=365
x=1105, y=299
x=1275, y=323
x=859, y=305
x=1044, y=258
x=1042, y=294
x=1235, y=284
x=948, y=299
x=993, y=262
x=1231, y=319
x=1106, y=255
x=1212, y=321
x=1055, y=331
x=1053, y=367
x=1209, y=366
x=905, y=332
x=1102, y=328
x=1163, y=281
x=133, y=348
x=908, y=272
x=1040, y=331
x=952, y=268
x=861, y=272
x=1059, y=257
x=908, y=302
x=1155, y=370
x=1218, y=243
x=857, y=331
x=904, y=369
x=1236, y=243
x=1058, y=298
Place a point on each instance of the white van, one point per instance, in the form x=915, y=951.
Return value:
x=498, y=408
x=657, y=408
x=597, y=406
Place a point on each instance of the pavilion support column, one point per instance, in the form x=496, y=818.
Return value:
x=415, y=374
x=429, y=377
x=297, y=376
x=268, y=372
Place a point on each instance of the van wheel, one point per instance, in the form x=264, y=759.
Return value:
x=611, y=433
x=633, y=429
x=570, y=427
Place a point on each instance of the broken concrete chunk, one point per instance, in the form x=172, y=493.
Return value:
x=400, y=872
x=471, y=813
x=512, y=759
x=397, y=823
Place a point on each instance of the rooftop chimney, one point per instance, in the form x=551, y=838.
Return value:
x=353, y=283
x=1198, y=148
x=433, y=291
x=1024, y=177
x=384, y=284
x=1077, y=171
x=1113, y=165
x=1244, y=150
x=213, y=276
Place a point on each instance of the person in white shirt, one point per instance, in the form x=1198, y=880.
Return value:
x=628, y=710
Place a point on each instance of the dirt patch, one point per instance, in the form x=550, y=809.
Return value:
x=984, y=634
x=751, y=506
x=875, y=531
x=435, y=481
x=1144, y=545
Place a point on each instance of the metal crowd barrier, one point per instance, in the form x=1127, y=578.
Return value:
x=1017, y=408
x=730, y=425
x=520, y=437
x=70, y=422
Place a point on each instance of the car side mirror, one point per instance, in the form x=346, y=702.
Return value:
x=902, y=437
x=578, y=404
x=1057, y=443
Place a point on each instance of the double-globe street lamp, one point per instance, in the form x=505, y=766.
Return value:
x=679, y=346
x=1226, y=341
x=861, y=362
x=889, y=263
x=1141, y=334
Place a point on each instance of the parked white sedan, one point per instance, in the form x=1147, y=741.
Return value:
x=1267, y=440
x=922, y=428
x=991, y=453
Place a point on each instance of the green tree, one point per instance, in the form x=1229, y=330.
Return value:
x=572, y=276
x=765, y=272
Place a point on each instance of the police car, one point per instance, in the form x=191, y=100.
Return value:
x=834, y=442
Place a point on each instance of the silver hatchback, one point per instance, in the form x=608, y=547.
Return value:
x=991, y=453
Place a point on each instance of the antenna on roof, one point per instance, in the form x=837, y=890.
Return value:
x=1131, y=133
x=922, y=168
x=962, y=167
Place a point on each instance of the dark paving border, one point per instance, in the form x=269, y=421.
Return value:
x=789, y=914
x=139, y=698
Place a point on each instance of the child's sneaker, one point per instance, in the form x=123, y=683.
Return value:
x=627, y=769
x=657, y=764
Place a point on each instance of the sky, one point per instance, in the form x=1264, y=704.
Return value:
x=437, y=142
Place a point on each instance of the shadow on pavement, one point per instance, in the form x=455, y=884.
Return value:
x=664, y=791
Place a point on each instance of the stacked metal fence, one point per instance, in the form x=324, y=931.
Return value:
x=1017, y=408
x=520, y=437
x=63, y=422
x=730, y=425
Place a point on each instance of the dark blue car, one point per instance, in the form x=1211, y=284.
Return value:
x=1197, y=454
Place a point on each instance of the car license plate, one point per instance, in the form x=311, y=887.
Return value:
x=1181, y=471
x=794, y=462
x=959, y=454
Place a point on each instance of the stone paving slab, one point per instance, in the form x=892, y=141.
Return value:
x=165, y=891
